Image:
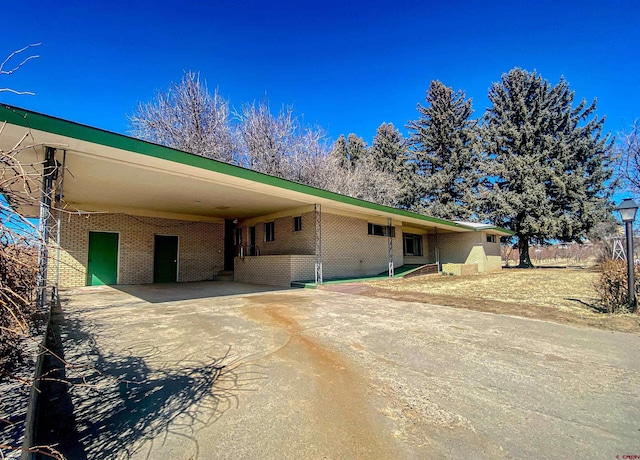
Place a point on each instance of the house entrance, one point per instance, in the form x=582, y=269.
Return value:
x=229, y=245
x=252, y=241
x=102, y=267
x=165, y=259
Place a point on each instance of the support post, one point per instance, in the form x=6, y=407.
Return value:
x=390, y=247
x=318, y=262
x=437, y=249
x=45, y=215
x=631, y=288
x=56, y=288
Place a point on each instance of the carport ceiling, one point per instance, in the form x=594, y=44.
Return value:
x=101, y=184
x=120, y=181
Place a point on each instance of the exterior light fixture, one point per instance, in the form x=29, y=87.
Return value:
x=627, y=210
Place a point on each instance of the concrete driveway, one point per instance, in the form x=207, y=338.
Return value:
x=226, y=370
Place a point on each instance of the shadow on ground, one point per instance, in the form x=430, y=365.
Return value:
x=120, y=405
x=593, y=306
x=172, y=292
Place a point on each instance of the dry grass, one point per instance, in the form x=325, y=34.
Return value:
x=564, y=295
x=545, y=287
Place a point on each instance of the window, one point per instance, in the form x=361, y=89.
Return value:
x=382, y=230
x=238, y=237
x=269, y=231
x=412, y=244
x=297, y=223
x=491, y=238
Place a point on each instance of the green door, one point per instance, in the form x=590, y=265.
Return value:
x=165, y=259
x=103, y=259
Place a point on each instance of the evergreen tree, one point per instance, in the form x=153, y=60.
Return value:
x=443, y=141
x=349, y=151
x=340, y=152
x=550, y=162
x=357, y=148
x=390, y=153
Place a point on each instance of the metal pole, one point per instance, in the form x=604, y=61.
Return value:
x=631, y=292
x=45, y=214
x=318, y=262
x=437, y=249
x=390, y=247
x=59, y=223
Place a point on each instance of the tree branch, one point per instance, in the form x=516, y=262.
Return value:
x=15, y=53
x=4, y=71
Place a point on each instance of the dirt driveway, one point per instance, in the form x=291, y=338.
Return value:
x=184, y=372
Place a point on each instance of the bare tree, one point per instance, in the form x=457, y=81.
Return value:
x=509, y=252
x=187, y=117
x=18, y=236
x=602, y=237
x=269, y=143
x=19, y=243
x=629, y=158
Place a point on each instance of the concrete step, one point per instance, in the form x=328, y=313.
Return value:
x=224, y=275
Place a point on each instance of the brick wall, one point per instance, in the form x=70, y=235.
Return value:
x=462, y=248
x=493, y=259
x=286, y=241
x=200, y=247
x=459, y=269
x=274, y=270
x=348, y=250
x=429, y=269
x=470, y=248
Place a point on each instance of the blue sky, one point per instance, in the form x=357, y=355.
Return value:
x=349, y=66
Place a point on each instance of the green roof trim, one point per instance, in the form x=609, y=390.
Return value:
x=54, y=125
x=499, y=229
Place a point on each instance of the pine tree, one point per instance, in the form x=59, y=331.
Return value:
x=550, y=162
x=349, y=151
x=443, y=141
x=390, y=153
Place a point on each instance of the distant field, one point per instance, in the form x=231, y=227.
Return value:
x=563, y=295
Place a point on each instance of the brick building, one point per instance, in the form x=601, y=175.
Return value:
x=136, y=212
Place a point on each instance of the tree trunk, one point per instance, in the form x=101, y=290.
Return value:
x=523, y=247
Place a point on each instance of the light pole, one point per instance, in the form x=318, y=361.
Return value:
x=627, y=210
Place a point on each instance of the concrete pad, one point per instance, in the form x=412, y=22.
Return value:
x=225, y=370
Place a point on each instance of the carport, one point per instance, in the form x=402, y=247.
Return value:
x=125, y=211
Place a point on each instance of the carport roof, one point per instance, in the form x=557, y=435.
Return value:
x=106, y=171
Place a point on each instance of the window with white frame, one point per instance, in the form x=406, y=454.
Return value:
x=491, y=239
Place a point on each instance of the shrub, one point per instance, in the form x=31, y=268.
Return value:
x=18, y=266
x=611, y=286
